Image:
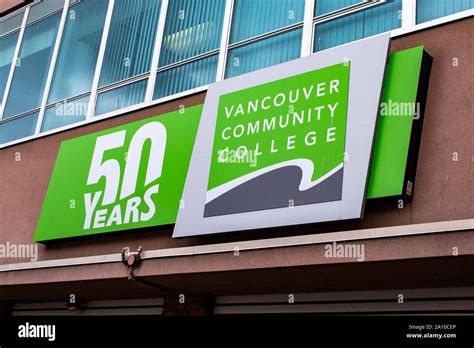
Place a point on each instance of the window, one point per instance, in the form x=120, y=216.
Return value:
x=431, y=9
x=76, y=63
x=79, y=48
x=252, y=18
x=376, y=20
x=190, y=46
x=121, y=97
x=184, y=77
x=9, y=33
x=7, y=48
x=64, y=113
x=130, y=41
x=260, y=54
x=247, y=52
x=260, y=33
x=32, y=66
x=18, y=128
x=128, y=53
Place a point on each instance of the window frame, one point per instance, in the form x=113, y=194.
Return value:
x=20, y=43
x=156, y=69
x=260, y=37
x=408, y=25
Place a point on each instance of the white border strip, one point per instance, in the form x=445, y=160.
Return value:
x=156, y=51
x=320, y=238
x=306, y=39
x=224, y=46
x=408, y=13
x=100, y=59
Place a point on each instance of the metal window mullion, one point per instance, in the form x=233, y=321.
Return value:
x=52, y=67
x=122, y=83
x=14, y=62
x=408, y=13
x=100, y=59
x=10, y=32
x=352, y=9
x=156, y=51
x=266, y=35
x=226, y=27
x=308, y=32
x=189, y=60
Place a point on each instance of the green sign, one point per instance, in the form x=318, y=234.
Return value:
x=399, y=111
x=299, y=121
x=126, y=177
x=288, y=134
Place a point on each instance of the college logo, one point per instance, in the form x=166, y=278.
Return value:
x=290, y=144
x=293, y=130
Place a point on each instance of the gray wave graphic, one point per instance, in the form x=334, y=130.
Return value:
x=275, y=189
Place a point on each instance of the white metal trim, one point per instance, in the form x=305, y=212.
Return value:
x=100, y=59
x=345, y=11
x=226, y=28
x=52, y=67
x=156, y=51
x=408, y=13
x=14, y=61
x=10, y=32
x=122, y=83
x=306, y=44
x=204, y=55
x=266, y=35
x=261, y=244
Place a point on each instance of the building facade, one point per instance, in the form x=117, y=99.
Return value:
x=72, y=68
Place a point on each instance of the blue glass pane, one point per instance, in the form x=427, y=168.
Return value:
x=130, y=42
x=326, y=6
x=32, y=67
x=65, y=113
x=274, y=50
x=18, y=128
x=192, y=27
x=7, y=48
x=79, y=49
x=185, y=77
x=432, y=9
x=251, y=18
x=366, y=23
x=122, y=97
